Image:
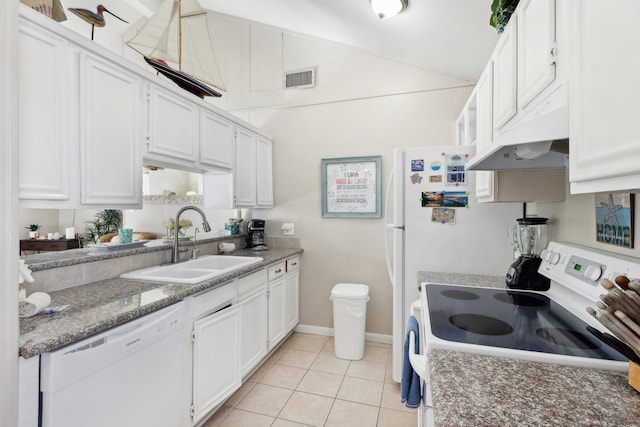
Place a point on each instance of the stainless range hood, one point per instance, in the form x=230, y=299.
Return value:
x=539, y=140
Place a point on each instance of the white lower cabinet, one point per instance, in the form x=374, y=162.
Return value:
x=253, y=320
x=28, y=391
x=277, y=304
x=216, y=349
x=293, y=292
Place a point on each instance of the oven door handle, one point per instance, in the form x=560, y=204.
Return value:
x=418, y=361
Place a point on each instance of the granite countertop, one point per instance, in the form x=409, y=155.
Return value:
x=476, y=390
x=462, y=279
x=48, y=260
x=97, y=306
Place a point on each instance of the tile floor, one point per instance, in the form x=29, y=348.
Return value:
x=304, y=384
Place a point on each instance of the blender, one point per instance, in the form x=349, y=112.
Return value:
x=529, y=237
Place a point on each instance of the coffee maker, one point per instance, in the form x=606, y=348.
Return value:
x=255, y=235
x=529, y=237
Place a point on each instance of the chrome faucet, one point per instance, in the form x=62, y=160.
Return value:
x=195, y=252
x=175, y=258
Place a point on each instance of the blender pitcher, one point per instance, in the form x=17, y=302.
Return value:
x=529, y=237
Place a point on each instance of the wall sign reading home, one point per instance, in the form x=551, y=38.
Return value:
x=351, y=187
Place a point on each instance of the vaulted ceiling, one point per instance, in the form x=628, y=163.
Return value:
x=451, y=36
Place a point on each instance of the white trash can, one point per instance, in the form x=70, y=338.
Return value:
x=349, y=319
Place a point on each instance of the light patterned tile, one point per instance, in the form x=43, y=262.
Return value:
x=276, y=355
x=262, y=370
x=388, y=376
x=376, y=352
x=352, y=414
x=329, y=363
x=307, y=408
x=361, y=390
x=297, y=358
x=322, y=383
x=285, y=423
x=283, y=376
x=329, y=347
x=216, y=419
x=238, y=418
x=391, y=398
x=391, y=418
x=366, y=369
x=265, y=400
x=239, y=394
x=306, y=342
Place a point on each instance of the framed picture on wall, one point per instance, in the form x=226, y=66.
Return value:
x=351, y=187
x=614, y=218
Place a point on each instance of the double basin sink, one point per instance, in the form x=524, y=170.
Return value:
x=193, y=271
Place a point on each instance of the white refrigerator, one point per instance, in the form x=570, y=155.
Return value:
x=435, y=224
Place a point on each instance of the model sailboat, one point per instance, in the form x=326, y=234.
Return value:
x=178, y=34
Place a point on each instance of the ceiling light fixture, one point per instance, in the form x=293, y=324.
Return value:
x=388, y=8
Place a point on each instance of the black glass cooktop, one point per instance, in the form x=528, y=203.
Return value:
x=511, y=319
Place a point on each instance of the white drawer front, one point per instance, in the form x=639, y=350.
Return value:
x=213, y=300
x=293, y=264
x=276, y=270
x=252, y=281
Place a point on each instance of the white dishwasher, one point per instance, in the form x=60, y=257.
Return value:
x=130, y=375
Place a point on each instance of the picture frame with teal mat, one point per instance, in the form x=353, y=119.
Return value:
x=352, y=187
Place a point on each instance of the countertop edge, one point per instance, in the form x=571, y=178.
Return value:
x=47, y=332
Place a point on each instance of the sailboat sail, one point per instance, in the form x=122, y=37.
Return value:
x=178, y=33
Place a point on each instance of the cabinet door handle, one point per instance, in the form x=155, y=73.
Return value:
x=279, y=270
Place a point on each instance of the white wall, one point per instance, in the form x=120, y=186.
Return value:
x=574, y=221
x=362, y=106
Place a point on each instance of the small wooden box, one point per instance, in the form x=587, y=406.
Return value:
x=634, y=375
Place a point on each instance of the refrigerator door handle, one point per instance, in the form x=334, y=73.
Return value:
x=395, y=227
x=387, y=246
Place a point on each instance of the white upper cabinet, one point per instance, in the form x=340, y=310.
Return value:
x=484, y=110
x=505, y=76
x=47, y=145
x=110, y=131
x=536, y=48
x=466, y=125
x=264, y=184
x=525, y=61
x=604, y=128
x=80, y=125
x=484, y=124
x=250, y=184
x=173, y=127
x=216, y=140
x=245, y=172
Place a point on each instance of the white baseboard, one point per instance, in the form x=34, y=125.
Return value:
x=317, y=330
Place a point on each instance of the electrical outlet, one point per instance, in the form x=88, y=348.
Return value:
x=287, y=229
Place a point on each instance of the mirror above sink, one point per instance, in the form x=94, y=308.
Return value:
x=168, y=186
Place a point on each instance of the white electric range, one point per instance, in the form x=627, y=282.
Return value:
x=548, y=327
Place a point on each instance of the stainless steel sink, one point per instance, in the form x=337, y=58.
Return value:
x=193, y=271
